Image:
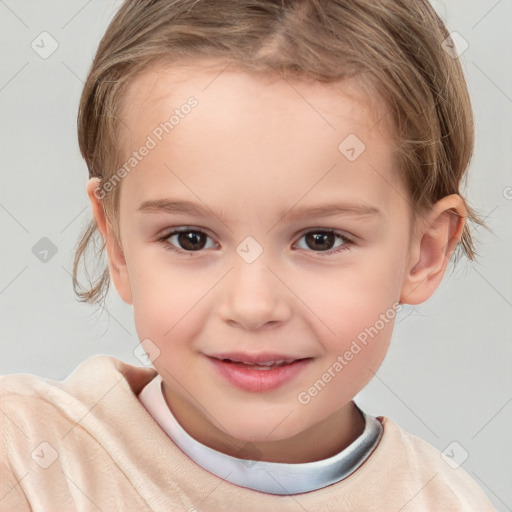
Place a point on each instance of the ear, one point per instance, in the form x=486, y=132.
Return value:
x=116, y=260
x=436, y=237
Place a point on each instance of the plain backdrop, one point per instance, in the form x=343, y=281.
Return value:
x=447, y=375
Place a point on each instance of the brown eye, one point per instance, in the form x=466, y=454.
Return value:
x=191, y=240
x=188, y=240
x=320, y=241
x=324, y=241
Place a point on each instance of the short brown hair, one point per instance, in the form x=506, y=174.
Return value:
x=395, y=46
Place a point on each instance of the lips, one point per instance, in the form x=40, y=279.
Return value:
x=260, y=358
x=258, y=372
x=264, y=365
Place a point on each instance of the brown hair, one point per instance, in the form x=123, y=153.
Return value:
x=396, y=46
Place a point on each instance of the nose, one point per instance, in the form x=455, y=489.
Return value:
x=252, y=297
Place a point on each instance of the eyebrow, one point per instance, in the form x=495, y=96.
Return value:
x=326, y=210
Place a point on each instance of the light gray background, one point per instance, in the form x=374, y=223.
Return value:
x=447, y=375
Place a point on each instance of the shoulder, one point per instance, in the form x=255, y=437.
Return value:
x=30, y=401
x=423, y=469
x=99, y=371
x=32, y=404
x=49, y=428
x=26, y=383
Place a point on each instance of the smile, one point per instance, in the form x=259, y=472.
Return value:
x=264, y=365
x=260, y=376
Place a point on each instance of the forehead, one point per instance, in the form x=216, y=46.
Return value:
x=163, y=87
x=253, y=135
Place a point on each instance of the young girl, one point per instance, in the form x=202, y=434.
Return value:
x=272, y=181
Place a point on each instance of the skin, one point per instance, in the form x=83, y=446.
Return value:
x=254, y=150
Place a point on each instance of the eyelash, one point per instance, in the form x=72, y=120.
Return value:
x=164, y=241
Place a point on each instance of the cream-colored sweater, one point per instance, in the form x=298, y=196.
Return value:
x=87, y=444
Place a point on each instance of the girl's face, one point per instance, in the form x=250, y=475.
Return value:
x=294, y=244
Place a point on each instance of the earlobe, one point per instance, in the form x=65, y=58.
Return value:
x=115, y=255
x=431, y=248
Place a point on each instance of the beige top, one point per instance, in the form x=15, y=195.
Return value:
x=88, y=444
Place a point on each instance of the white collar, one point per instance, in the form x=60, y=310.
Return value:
x=270, y=477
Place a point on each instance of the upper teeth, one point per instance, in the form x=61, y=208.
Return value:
x=265, y=363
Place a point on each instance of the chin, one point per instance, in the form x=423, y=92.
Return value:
x=266, y=428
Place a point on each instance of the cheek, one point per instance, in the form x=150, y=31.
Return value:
x=355, y=332
x=355, y=308
x=165, y=297
x=351, y=298
x=167, y=310
x=363, y=328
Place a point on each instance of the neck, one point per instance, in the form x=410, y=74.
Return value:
x=322, y=440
